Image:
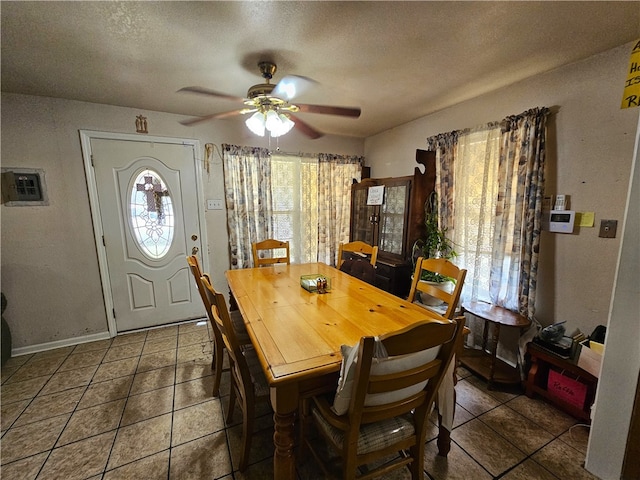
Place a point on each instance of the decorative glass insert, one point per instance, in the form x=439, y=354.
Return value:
x=152, y=218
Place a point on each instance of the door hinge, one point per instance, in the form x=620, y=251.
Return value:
x=92, y=160
x=104, y=244
x=114, y=313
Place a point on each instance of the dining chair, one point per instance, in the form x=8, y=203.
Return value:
x=210, y=297
x=359, y=268
x=249, y=386
x=358, y=248
x=446, y=269
x=385, y=393
x=269, y=245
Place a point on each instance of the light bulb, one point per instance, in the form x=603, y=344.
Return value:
x=255, y=123
x=272, y=122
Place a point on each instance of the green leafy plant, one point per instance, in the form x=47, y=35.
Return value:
x=435, y=243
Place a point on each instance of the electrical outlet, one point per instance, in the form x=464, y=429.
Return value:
x=608, y=228
x=215, y=204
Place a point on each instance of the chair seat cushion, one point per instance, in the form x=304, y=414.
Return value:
x=373, y=436
x=260, y=385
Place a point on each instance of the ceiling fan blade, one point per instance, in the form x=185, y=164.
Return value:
x=194, y=121
x=353, y=112
x=305, y=128
x=291, y=86
x=211, y=93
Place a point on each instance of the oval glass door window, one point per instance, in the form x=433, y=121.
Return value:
x=152, y=219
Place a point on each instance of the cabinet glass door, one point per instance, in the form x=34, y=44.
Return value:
x=361, y=227
x=392, y=218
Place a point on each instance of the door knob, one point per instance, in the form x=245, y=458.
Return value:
x=194, y=237
x=194, y=250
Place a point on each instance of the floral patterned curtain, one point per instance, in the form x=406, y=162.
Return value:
x=519, y=210
x=335, y=177
x=247, y=173
x=444, y=144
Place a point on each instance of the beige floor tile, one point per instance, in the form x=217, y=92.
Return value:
x=17, y=361
x=461, y=416
x=519, y=430
x=79, y=360
x=92, y=421
x=193, y=392
x=47, y=406
x=158, y=333
x=147, y=405
x=473, y=399
x=6, y=372
x=457, y=465
x=197, y=421
x=36, y=368
x=70, y=379
x=54, y=353
x=157, y=360
x=194, y=337
x=92, y=346
x=200, y=353
x=103, y=392
x=25, y=469
x=192, y=370
x=264, y=471
x=191, y=327
x=578, y=437
x=126, y=350
x=261, y=444
x=125, y=338
x=488, y=448
x=27, y=389
x=153, y=379
x=159, y=344
x=120, y=368
x=79, y=460
x=154, y=467
x=502, y=393
x=11, y=411
x=529, y=470
x=206, y=457
x=563, y=460
x=545, y=415
x=22, y=442
x=128, y=446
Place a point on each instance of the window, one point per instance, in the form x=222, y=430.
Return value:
x=151, y=214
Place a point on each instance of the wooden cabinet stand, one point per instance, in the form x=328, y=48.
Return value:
x=484, y=362
x=541, y=362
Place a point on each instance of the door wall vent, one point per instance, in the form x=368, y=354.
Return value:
x=23, y=187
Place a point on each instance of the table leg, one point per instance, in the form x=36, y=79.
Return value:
x=494, y=351
x=284, y=401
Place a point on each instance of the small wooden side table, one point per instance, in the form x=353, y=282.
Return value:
x=484, y=362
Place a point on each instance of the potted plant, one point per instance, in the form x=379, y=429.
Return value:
x=434, y=244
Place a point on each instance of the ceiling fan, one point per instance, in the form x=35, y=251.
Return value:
x=270, y=105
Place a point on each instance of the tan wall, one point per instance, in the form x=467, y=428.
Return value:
x=49, y=263
x=590, y=149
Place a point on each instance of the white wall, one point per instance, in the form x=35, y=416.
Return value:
x=49, y=263
x=590, y=147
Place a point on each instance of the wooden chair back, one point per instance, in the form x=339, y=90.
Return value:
x=266, y=245
x=419, y=337
x=446, y=269
x=360, y=269
x=359, y=248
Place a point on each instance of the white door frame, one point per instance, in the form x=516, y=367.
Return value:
x=94, y=204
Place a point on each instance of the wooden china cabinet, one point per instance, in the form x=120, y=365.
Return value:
x=395, y=224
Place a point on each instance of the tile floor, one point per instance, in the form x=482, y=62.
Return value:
x=139, y=406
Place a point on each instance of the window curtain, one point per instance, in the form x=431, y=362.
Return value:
x=519, y=210
x=335, y=177
x=490, y=184
x=247, y=173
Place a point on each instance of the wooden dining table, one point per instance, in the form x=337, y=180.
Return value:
x=297, y=335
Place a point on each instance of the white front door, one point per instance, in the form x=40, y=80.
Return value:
x=147, y=196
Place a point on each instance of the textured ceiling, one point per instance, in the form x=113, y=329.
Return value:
x=398, y=61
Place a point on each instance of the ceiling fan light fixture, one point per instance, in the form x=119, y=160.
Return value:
x=256, y=123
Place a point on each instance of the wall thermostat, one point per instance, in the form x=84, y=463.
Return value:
x=561, y=221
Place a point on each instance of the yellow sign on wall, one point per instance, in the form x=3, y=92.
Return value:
x=631, y=93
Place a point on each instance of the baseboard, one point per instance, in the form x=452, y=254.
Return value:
x=41, y=347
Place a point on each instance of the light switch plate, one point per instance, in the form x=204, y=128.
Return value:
x=608, y=228
x=215, y=204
